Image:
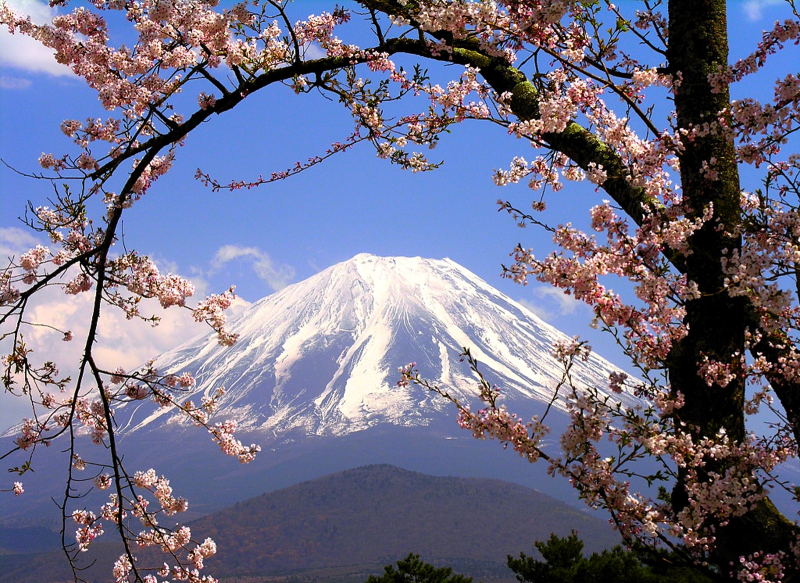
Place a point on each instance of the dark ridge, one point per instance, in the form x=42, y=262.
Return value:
x=345, y=526
x=377, y=514
x=28, y=540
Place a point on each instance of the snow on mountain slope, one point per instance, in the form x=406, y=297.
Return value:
x=321, y=356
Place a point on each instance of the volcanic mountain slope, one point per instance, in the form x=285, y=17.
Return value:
x=320, y=358
x=313, y=380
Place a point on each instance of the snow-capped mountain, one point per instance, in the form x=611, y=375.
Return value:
x=313, y=381
x=320, y=357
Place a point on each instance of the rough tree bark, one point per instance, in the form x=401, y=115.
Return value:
x=698, y=46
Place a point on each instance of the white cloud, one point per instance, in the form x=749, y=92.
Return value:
x=15, y=241
x=121, y=342
x=565, y=304
x=13, y=83
x=536, y=309
x=277, y=277
x=39, y=11
x=753, y=9
x=558, y=303
x=314, y=51
x=22, y=52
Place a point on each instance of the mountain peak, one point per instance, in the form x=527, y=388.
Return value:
x=320, y=357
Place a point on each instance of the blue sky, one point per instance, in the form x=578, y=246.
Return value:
x=263, y=239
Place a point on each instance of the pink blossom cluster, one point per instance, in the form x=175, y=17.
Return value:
x=222, y=433
x=78, y=462
x=761, y=129
x=454, y=99
x=50, y=162
x=772, y=41
x=30, y=261
x=497, y=423
x=500, y=27
x=763, y=567
x=159, y=166
x=29, y=434
x=492, y=421
x=567, y=350
x=89, y=530
x=173, y=543
x=102, y=482
x=111, y=510
x=319, y=30
x=563, y=100
x=756, y=271
x=650, y=329
x=172, y=36
x=122, y=567
x=160, y=488
x=9, y=294
x=142, y=278
x=451, y=104
x=725, y=494
x=208, y=405
x=212, y=311
x=92, y=415
x=93, y=130
x=637, y=433
x=616, y=381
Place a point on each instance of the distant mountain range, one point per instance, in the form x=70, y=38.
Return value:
x=345, y=526
x=313, y=380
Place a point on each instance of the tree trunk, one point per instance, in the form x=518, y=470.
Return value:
x=698, y=46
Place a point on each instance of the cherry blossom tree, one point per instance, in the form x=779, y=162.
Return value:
x=634, y=99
